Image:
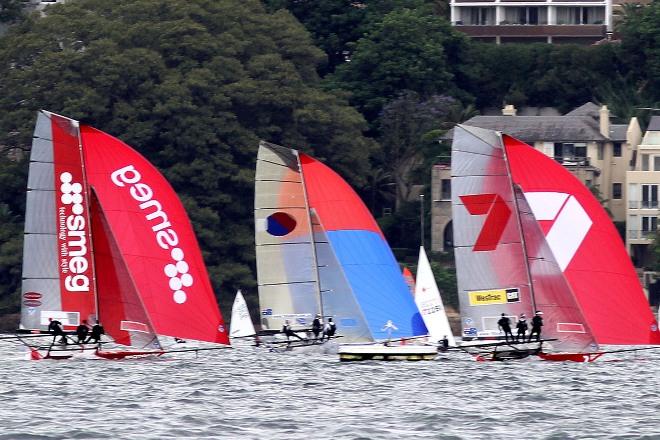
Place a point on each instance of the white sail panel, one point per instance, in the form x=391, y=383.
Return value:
x=41, y=176
x=429, y=302
x=42, y=219
x=241, y=323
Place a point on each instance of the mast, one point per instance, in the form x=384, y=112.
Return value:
x=317, y=277
x=89, y=217
x=519, y=222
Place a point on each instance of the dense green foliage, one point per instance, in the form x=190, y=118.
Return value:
x=194, y=85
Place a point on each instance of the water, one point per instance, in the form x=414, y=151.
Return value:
x=253, y=394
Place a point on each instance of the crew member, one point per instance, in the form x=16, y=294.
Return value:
x=286, y=329
x=82, y=331
x=522, y=328
x=317, y=326
x=95, y=334
x=330, y=329
x=444, y=343
x=537, y=323
x=55, y=327
x=505, y=325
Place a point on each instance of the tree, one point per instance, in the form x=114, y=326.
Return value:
x=407, y=124
x=193, y=86
x=10, y=10
x=408, y=49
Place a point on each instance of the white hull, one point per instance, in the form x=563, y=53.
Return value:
x=381, y=352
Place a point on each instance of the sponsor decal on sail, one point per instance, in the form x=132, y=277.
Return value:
x=164, y=234
x=497, y=215
x=569, y=223
x=73, y=233
x=494, y=296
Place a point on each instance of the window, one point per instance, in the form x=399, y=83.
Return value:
x=649, y=224
x=580, y=150
x=656, y=163
x=649, y=196
x=445, y=189
x=645, y=162
x=617, y=149
x=600, y=151
x=616, y=190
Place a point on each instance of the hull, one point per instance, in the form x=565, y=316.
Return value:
x=381, y=352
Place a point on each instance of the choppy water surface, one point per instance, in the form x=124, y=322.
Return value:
x=250, y=393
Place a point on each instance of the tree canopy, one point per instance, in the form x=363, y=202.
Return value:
x=191, y=85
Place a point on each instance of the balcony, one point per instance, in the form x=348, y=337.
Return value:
x=641, y=235
x=643, y=204
x=529, y=30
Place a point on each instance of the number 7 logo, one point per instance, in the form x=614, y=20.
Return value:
x=497, y=215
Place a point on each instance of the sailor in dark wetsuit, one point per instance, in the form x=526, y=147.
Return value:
x=55, y=327
x=95, y=334
x=330, y=329
x=82, y=331
x=537, y=323
x=522, y=328
x=505, y=325
x=286, y=329
x=317, y=326
x=443, y=344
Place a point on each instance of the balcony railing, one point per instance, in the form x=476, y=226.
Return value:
x=568, y=161
x=643, y=204
x=641, y=235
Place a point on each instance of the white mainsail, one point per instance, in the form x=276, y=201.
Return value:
x=429, y=302
x=241, y=323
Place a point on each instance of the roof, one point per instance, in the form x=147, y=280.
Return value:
x=618, y=132
x=588, y=109
x=654, y=125
x=540, y=128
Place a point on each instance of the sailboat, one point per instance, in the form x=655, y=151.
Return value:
x=319, y=251
x=241, y=324
x=107, y=239
x=429, y=302
x=530, y=237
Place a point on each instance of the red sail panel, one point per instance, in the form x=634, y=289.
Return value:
x=334, y=200
x=155, y=238
x=121, y=312
x=71, y=205
x=586, y=246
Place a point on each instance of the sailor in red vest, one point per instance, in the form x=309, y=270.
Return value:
x=55, y=327
x=505, y=325
x=82, y=331
x=537, y=323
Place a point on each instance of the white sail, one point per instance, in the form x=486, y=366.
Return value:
x=427, y=297
x=241, y=323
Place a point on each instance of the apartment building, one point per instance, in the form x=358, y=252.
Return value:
x=528, y=21
x=643, y=209
x=584, y=141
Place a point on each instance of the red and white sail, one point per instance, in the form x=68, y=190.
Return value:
x=155, y=238
x=58, y=276
x=586, y=247
x=124, y=316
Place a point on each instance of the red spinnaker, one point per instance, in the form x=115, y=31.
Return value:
x=155, y=238
x=587, y=248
